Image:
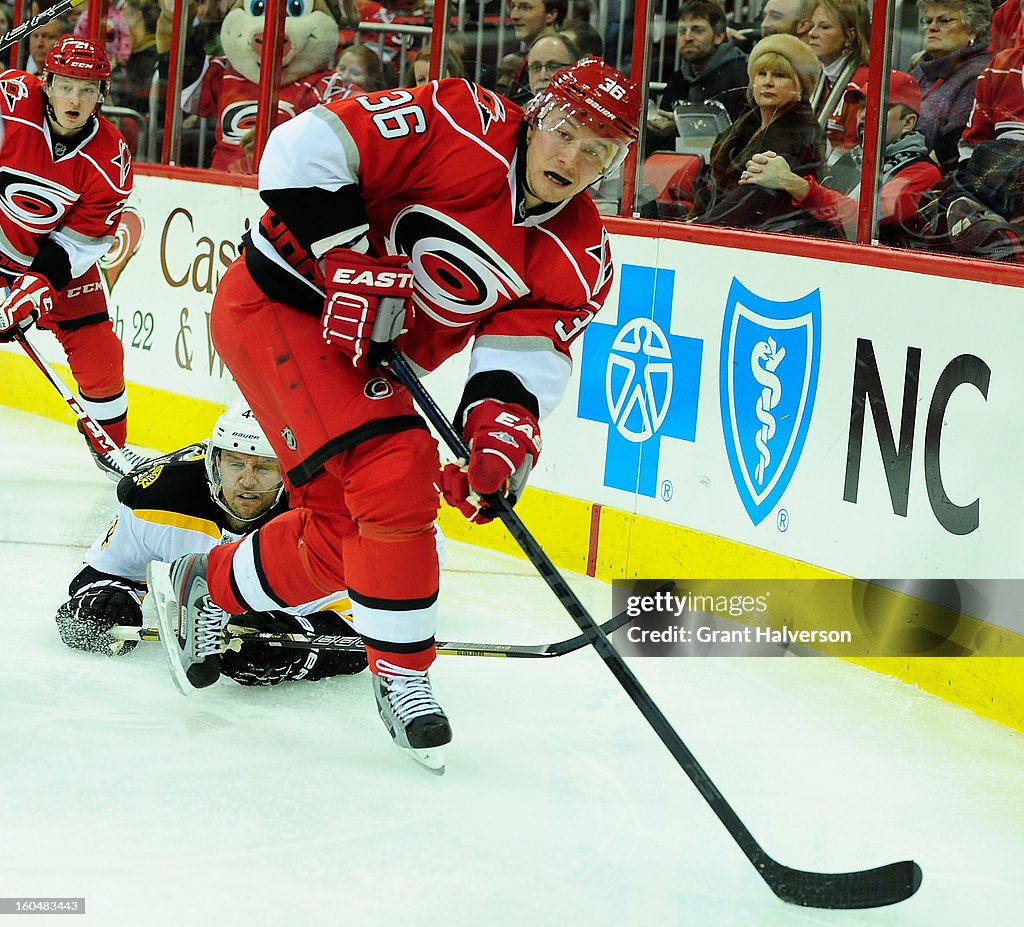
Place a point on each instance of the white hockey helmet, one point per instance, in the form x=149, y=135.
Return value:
x=236, y=430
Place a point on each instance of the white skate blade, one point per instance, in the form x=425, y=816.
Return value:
x=430, y=758
x=159, y=608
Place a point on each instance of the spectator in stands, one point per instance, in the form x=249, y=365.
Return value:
x=588, y=40
x=783, y=72
x=5, y=18
x=979, y=209
x=508, y=67
x=529, y=18
x=132, y=90
x=417, y=72
x=43, y=39
x=711, y=68
x=839, y=36
x=1006, y=27
x=955, y=38
x=788, y=17
x=389, y=45
x=906, y=171
x=360, y=65
x=115, y=35
x=548, y=54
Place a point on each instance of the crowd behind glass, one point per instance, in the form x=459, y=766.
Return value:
x=755, y=118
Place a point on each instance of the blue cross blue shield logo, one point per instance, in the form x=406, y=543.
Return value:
x=768, y=379
x=640, y=380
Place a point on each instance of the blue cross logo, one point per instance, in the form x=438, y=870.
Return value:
x=639, y=380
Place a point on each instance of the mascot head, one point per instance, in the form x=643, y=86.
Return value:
x=311, y=36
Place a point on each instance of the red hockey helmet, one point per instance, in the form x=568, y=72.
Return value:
x=77, y=57
x=595, y=95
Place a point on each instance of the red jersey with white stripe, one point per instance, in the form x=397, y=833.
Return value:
x=436, y=173
x=231, y=99
x=998, y=110
x=73, y=197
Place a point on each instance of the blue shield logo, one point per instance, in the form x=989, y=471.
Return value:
x=768, y=378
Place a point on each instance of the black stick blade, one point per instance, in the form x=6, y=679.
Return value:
x=870, y=888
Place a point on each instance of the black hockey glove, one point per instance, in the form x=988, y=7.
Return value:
x=256, y=664
x=85, y=619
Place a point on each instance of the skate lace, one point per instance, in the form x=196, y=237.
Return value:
x=135, y=460
x=410, y=696
x=210, y=621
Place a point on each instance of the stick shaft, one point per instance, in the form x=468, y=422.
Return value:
x=108, y=445
x=40, y=19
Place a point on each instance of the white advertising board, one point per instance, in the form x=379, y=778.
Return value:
x=854, y=417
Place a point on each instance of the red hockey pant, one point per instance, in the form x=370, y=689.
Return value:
x=364, y=519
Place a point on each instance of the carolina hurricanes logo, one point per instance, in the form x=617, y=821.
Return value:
x=13, y=89
x=458, y=275
x=602, y=253
x=490, y=106
x=127, y=239
x=122, y=162
x=239, y=118
x=34, y=203
x=378, y=388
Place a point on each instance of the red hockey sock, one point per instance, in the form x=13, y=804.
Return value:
x=381, y=660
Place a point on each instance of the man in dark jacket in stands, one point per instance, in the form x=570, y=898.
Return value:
x=712, y=68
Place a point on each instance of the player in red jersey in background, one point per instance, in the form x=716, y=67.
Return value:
x=65, y=174
x=370, y=228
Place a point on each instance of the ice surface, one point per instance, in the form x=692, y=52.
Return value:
x=559, y=806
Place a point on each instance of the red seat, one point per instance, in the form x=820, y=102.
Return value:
x=672, y=176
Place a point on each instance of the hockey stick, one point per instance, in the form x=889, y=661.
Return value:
x=40, y=19
x=351, y=643
x=110, y=449
x=868, y=888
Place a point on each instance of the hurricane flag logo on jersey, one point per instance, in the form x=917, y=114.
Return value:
x=239, y=118
x=13, y=89
x=768, y=379
x=34, y=203
x=489, y=105
x=459, y=276
x=127, y=239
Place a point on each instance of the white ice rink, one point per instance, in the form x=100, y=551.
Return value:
x=559, y=807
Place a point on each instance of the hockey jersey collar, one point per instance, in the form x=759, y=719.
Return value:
x=517, y=185
x=62, y=148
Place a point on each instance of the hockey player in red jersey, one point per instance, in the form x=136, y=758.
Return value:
x=65, y=174
x=492, y=245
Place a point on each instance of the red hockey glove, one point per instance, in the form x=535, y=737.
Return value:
x=366, y=303
x=504, y=444
x=30, y=295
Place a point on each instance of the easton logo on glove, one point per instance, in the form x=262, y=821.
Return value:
x=367, y=305
x=367, y=280
x=504, y=444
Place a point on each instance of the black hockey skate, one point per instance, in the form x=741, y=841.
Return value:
x=190, y=624
x=112, y=469
x=415, y=720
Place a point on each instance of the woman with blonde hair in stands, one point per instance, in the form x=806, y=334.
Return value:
x=783, y=73
x=840, y=31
